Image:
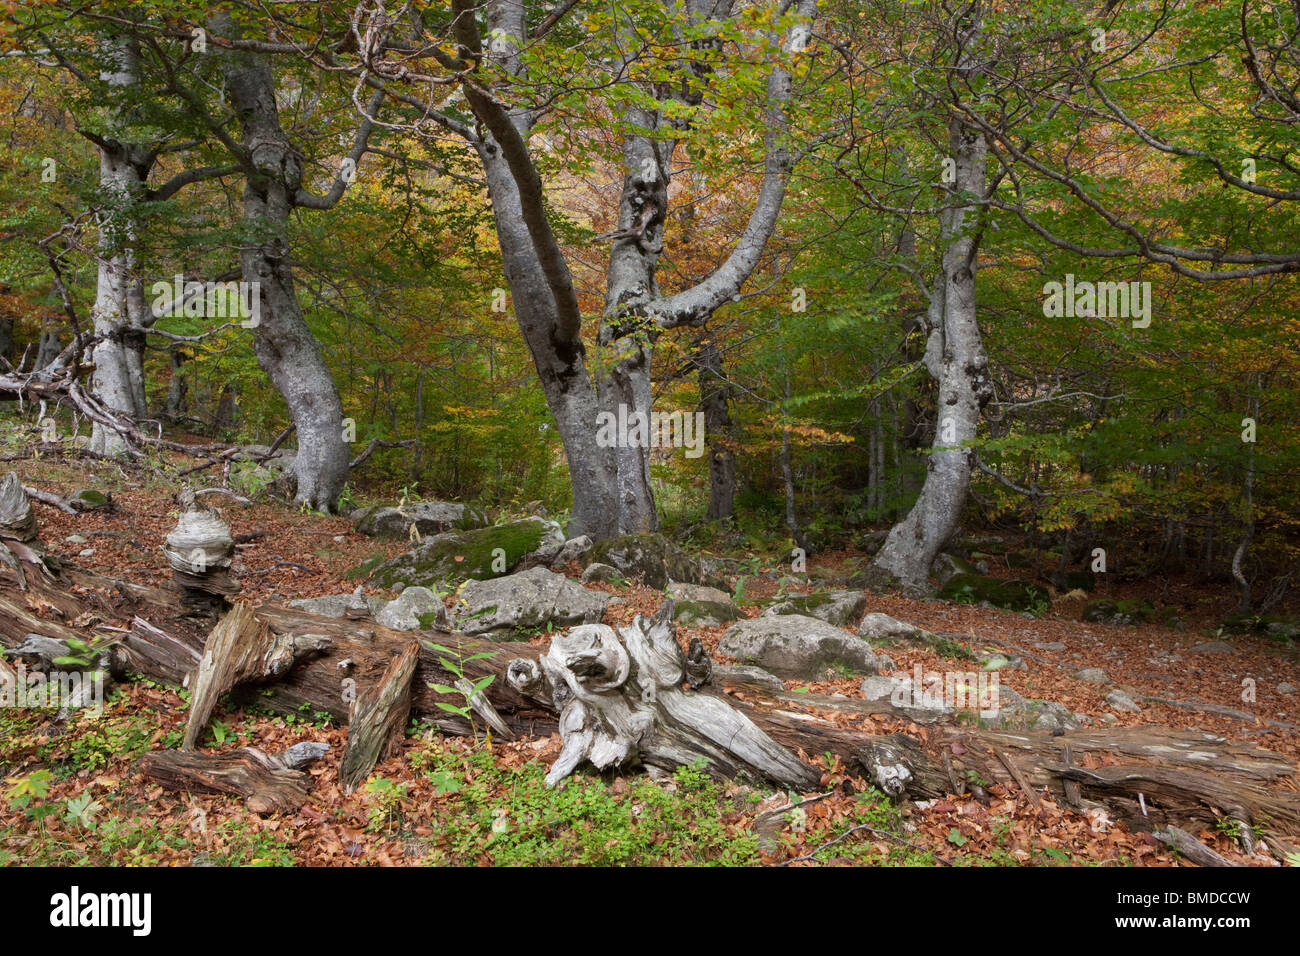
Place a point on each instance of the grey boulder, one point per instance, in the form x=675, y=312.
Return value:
x=529, y=599
x=797, y=646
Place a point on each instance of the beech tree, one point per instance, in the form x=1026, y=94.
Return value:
x=497, y=50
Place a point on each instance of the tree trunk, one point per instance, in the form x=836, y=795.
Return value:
x=6, y=339
x=119, y=294
x=560, y=360
x=714, y=395
x=286, y=348
x=955, y=358
x=630, y=283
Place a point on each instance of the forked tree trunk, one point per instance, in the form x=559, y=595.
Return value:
x=286, y=348
x=955, y=358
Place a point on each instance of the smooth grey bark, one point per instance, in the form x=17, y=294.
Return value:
x=635, y=310
x=631, y=283
x=955, y=359
x=606, y=501
x=714, y=402
x=119, y=293
x=285, y=347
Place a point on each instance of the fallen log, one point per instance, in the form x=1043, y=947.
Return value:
x=240, y=648
x=267, y=784
x=1152, y=777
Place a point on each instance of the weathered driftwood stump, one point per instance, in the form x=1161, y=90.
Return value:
x=621, y=701
x=200, y=549
x=17, y=519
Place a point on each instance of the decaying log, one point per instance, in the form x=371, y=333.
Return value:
x=17, y=519
x=621, y=701
x=268, y=784
x=241, y=648
x=377, y=720
x=1192, y=848
x=200, y=549
x=1150, y=776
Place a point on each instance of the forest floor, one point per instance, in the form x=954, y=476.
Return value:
x=71, y=794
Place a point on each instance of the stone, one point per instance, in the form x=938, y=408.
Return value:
x=653, y=560
x=1092, y=675
x=415, y=609
x=882, y=629
x=681, y=591
x=429, y=518
x=946, y=565
x=1212, y=647
x=1285, y=688
x=840, y=608
x=705, y=613
x=797, y=646
x=334, y=605
x=85, y=499
x=1104, y=611
x=75, y=539
x=1122, y=701
x=445, y=560
x=600, y=572
x=529, y=599
x=573, y=550
x=1051, y=646
x=1017, y=713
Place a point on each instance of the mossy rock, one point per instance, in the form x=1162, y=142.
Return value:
x=88, y=498
x=1022, y=559
x=945, y=565
x=1278, y=626
x=449, y=559
x=985, y=543
x=1105, y=611
x=428, y=517
x=652, y=559
x=1011, y=594
x=841, y=608
x=705, y=613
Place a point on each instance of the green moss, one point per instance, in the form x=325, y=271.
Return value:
x=708, y=613
x=1104, y=611
x=806, y=602
x=1013, y=595
x=651, y=557
x=364, y=569
x=464, y=555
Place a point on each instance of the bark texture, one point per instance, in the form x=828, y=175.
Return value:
x=286, y=348
x=956, y=360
